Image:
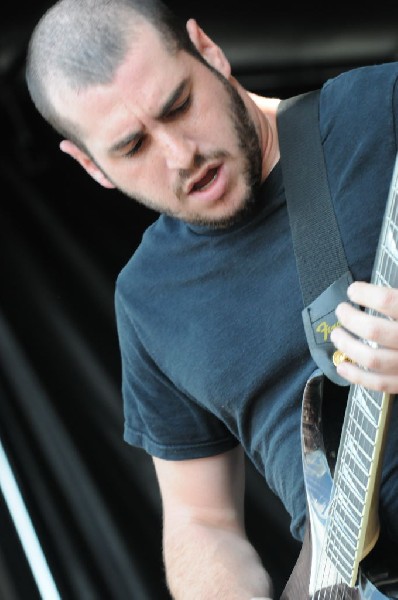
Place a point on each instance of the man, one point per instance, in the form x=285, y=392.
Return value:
x=213, y=350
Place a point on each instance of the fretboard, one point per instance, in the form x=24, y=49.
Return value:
x=363, y=434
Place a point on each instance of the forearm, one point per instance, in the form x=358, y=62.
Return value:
x=205, y=563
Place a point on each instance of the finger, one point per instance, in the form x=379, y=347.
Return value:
x=379, y=298
x=377, y=329
x=368, y=379
x=371, y=357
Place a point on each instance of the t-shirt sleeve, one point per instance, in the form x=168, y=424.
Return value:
x=157, y=416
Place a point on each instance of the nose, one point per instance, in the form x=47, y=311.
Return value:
x=179, y=150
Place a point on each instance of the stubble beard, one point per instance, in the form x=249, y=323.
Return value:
x=249, y=146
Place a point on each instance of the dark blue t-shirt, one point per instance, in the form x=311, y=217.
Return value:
x=211, y=335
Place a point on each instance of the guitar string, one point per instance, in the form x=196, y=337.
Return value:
x=356, y=424
x=388, y=258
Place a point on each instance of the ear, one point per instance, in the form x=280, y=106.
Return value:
x=86, y=162
x=208, y=49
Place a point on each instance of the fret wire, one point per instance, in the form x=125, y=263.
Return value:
x=347, y=543
x=346, y=472
x=352, y=501
x=354, y=451
x=350, y=528
x=351, y=496
x=390, y=262
x=360, y=474
x=341, y=563
x=335, y=544
x=362, y=422
x=345, y=525
x=366, y=460
x=349, y=461
x=366, y=429
x=367, y=406
x=362, y=416
x=359, y=457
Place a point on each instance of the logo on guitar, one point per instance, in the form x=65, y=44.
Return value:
x=324, y=329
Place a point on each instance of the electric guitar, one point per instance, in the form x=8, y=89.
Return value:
x=341, y=548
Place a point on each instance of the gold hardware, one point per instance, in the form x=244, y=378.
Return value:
x=339, y=357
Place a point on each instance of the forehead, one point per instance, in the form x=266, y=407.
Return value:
x=141, y=83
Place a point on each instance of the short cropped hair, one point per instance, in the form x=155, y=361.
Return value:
x=81, y=43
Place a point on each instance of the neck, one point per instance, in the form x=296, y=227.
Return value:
x=263, y=112
x=264, y=116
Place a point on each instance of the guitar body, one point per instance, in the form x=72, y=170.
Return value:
x=383, y=583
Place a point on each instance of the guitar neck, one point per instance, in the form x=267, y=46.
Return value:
x=351, y=531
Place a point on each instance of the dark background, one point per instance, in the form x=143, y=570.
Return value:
x=93, y=500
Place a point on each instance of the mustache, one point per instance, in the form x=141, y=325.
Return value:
x=197, y=162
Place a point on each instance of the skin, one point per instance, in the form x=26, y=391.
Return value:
x=206, y=552
x=178, y=147
x=202, y=498
x=374, y=367
x=181, y=148
x=161, y=174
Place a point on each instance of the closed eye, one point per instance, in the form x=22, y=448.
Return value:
x=180, y=108
x=135, y=148
x=174, y=112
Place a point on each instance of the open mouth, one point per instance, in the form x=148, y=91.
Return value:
x=206, y=181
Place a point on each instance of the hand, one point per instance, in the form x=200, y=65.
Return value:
x=375, y=363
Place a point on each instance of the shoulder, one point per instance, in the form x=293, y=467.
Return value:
x=364, y=76
x=365, y=95
x=358, y=111
x=370, y=80
x=131, y=277
x=163, y=256
x=152, y=247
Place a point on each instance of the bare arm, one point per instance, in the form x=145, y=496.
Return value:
x=206, y=552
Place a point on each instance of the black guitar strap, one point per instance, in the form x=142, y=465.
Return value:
x=320, y=257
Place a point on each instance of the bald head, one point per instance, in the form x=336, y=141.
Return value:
x=81, y=43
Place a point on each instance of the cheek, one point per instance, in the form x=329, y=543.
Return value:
x=129, y=170
x=148, y=178
x=215, y=130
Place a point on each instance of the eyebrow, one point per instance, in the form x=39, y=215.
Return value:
x=164, y=111
x=172, y=99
